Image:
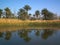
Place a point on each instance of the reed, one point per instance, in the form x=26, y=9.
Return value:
x=29, y=23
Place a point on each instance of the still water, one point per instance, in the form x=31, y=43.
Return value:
x=30, y=37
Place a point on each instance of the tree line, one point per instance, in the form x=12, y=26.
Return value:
x=23, y=14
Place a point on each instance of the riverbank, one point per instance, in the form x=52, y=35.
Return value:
x=29, y=23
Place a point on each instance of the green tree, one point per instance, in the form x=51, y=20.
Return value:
x=37, y=13
x=30, y=16
x=47, y=15
x=22, y=14
x=33, y=18
x=27, y=7
x=8, y=12
x=1, y=12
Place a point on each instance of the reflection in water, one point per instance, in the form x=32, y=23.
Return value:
x=8, y=35
x=47, y=33
x=1, y=34
x=29, y=37
x=37, y=33
x=24, y=34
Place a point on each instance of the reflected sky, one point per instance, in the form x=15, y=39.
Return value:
x=30, y=37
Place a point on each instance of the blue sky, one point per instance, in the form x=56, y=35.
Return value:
x=14, y=5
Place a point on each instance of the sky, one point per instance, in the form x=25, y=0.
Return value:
x=15, y=5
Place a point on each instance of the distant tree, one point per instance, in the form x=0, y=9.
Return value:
x=59, y=17
x=27, y=7
x=30, y=16
x=8, y=12
x=13, y=15
x=47, y=15
x=1, y=12
x=34, y=15
x=37, y=13
x=25, y=16
x=22, y=14
x=33, y=18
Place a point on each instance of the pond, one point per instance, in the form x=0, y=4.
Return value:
x=30, y=37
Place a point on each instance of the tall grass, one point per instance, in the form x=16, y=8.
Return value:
x=29, y=23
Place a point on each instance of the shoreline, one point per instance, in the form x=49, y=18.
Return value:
x=28, y=28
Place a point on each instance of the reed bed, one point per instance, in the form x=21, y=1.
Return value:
x=29, y=23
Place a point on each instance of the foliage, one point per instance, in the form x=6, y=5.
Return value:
x=37, y=13
x=47, y=15
x=1, y=12
x=27, y=7
x=8, y=12
x=23, y=13
x=28, y=23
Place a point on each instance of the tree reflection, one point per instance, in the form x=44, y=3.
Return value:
x=24, y=34
x=1, y=34
x=47, y=33
x=8, y=35
x=37, y=33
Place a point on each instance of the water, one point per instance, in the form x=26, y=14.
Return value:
x=30, y=37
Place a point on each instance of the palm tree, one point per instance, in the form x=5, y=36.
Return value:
x=30, y=16
x=1, y=12
x=8, y=12
x=21, y=10
x=22, y=14
x=37, y=13
x=27, y=7
x=33, y=18
x=33, y=15
x=25, y=15
x=45, y=13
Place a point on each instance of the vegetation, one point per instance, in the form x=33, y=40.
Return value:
x=29, y=23
x=24, y=34
x=23, y=12
x=47, y=15
x=37, y=13
x=8, y=12
x=29, y=20
x=24, y=15
x=0, y=12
